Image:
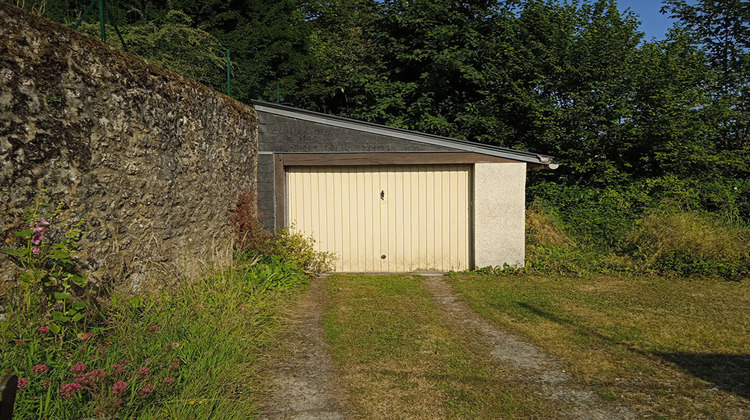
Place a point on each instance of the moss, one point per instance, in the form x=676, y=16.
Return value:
x=122, y=62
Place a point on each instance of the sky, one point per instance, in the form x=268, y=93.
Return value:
x=653, y=23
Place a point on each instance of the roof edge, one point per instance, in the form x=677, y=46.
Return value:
x=352, y=124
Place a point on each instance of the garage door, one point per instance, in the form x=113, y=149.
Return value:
x=384, y=218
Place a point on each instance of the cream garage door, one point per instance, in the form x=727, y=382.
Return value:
x=384, y=218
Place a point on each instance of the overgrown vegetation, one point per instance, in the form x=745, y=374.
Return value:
x=670, y=347
x=177, y=348
x=668, y=241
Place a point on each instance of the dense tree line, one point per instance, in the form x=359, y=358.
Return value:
x=637, y=124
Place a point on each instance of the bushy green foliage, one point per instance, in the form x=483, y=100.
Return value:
x=187, y=349
x=665, y=237
x=287, y=245
x=690, y=243
x=179, y=352
x=173, y=43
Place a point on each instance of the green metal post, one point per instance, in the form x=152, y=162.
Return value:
x=117, y=30
x=83, y=16
x=101, y=21
x=229, y=77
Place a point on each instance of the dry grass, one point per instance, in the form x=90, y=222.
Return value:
x=399, y=360
x=671, y=348
x=690, y=232
x=542, y=228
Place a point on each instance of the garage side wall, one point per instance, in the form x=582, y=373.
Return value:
x=499, y=214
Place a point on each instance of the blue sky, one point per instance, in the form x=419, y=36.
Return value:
x=653, y=23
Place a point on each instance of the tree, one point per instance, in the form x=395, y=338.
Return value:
x=723, y=28
x=174, y=44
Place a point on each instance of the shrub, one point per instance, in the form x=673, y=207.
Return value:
x=255, y=242
x=690, y=243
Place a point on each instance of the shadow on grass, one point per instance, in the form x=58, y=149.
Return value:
x=728, y=372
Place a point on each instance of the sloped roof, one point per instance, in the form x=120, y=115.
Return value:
x=383, y=130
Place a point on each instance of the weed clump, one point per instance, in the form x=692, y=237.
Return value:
x=690, y=243
x=253, y=241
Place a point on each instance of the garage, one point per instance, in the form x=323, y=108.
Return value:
x=394, y=218
x=382, y=199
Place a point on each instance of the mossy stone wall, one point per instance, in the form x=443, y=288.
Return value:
x=152, y=161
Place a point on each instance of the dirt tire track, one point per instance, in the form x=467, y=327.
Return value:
x=305, y=384
x=539, y=370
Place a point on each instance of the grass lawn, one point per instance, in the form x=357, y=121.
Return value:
x=668, y=348
x=398, y=359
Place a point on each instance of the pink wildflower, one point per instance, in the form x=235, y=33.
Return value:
x=39, y=228
x=78, y=368
x=22, y=382
x=147, y=390
x=169, y=380
x=125, y=362
x=45, y=384
x=40, y=369
x=117, y=369
x=144, y=371
x=42, y=220
x=37, y=239
x=35, y=250
x=96, y=375
x=43, y=329
x=119, y=387
x=68, y=390
x=152, y=328
x=19, y=342
x=86, y=336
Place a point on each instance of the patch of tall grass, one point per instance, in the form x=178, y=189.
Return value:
x=665, y=241
x=177, y=348
x=187, y=351
x=690, y=243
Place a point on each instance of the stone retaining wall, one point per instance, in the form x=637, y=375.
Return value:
x=152, y=161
